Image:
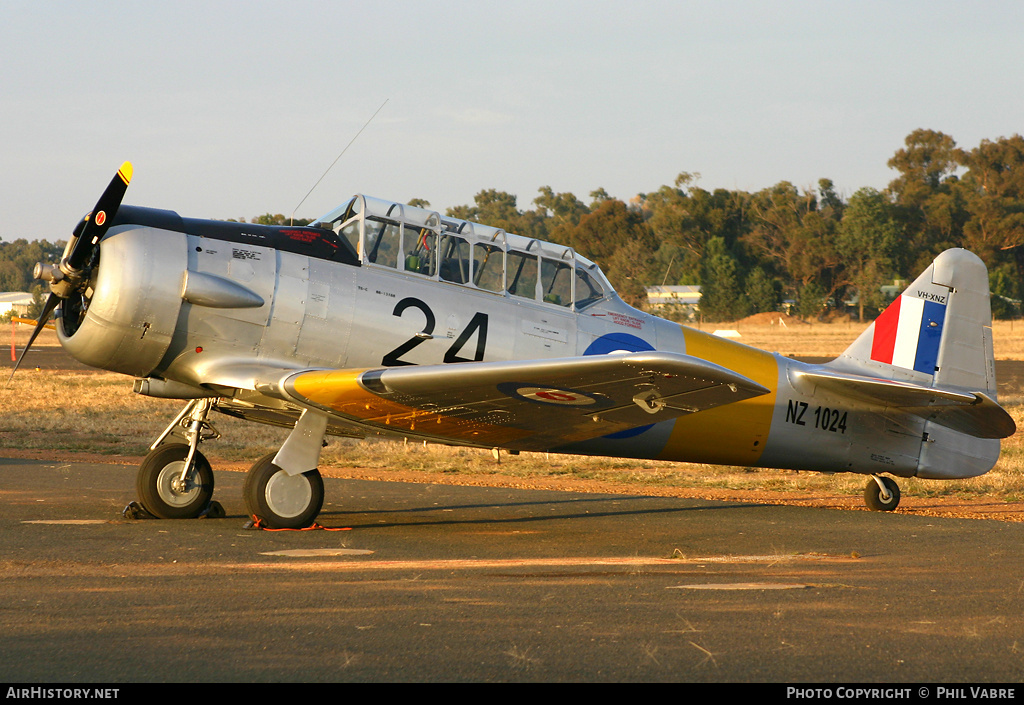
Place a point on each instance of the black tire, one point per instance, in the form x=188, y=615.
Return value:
x=157, y=481
x=873, y=495
x=281, y=501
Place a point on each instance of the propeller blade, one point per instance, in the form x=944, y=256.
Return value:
x=97, y=222
x=51, y=303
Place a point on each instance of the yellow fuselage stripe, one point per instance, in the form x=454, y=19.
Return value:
x=733, y=434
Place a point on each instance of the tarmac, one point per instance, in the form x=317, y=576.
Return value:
x=436, y=583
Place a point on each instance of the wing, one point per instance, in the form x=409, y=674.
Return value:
x=524, y=405
x=973, y=413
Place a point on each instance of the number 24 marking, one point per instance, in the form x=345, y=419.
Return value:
x=477, y=325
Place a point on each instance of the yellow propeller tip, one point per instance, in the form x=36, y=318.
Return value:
x=125, y=172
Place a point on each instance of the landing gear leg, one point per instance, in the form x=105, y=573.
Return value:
x=175, y=480
x=287, y=495
x=882, y=494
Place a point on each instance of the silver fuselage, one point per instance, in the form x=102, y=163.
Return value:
x=177, y=309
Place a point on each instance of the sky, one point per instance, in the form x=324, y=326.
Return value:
x=234, y=109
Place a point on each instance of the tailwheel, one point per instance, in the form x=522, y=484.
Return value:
x=280, y=500
x=882, y=494
x=164, y=492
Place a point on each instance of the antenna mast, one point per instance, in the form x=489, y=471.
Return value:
x=292, y=219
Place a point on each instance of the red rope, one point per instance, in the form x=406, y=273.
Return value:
x=257, y=523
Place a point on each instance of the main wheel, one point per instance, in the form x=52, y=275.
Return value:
x=160, y=487
x=873, y=495
x=281, y=500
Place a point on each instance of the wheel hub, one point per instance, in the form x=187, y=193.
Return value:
x=172, y=489
x=288, y=496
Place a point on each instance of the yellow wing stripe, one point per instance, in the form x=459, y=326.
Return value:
x=733, y=434
x=341, y=392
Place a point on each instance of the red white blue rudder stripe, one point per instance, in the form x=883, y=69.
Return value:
x=908, y=334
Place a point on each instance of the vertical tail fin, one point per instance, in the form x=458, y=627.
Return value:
x=938, y=332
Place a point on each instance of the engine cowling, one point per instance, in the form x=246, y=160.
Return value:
x=129, y=320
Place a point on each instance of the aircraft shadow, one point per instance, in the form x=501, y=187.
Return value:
x=503, y=507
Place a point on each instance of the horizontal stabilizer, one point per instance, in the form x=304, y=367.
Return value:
x=973, y=413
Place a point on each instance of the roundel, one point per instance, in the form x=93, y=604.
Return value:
x=101, y=218
x=555, y=396
x=568, y=397
x=620, y=342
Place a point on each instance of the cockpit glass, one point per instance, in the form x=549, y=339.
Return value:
x=382, y=239
x=455, y=259
x=419, y=241
x=522, y=275
x=556, y=281
x=488, y=267
x=338, y=215
x=588, y=289
x=420, y=251
x=350, y=233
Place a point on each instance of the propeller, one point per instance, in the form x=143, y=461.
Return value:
x=74, y=272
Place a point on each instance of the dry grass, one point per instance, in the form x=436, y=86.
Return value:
x=1005, y=481
x=96, y=412
x=797, y=339
x=99, y=414
x=22, y=333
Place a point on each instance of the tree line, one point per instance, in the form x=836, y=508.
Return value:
x=751, y=252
